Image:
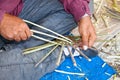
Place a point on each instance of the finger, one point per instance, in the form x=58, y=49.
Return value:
x=28, y=32
x=92, y=37
x=9, y=37
x=23, y=35
x=92, y=40
x=85, y=40
x=17, y=38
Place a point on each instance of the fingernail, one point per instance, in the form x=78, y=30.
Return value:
x=85, y=47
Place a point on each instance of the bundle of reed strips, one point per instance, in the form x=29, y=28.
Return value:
x=60, y=41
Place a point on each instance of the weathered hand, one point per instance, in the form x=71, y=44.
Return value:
x=87, y=31
x=13, y=28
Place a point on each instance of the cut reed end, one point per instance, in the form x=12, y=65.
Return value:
x=75, y=64
x=57, y=64
x=89, y=60
x=36, y=65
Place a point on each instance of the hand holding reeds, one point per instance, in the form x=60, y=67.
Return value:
x=60, y=41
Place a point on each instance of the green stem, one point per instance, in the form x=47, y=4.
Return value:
x=60, y=55
x=72, y=57
x=47, y=29
x=46, y=55
x=30, y=50
x=43, y=39
x=49, y=35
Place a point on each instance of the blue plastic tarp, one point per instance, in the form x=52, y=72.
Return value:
x=96, y=69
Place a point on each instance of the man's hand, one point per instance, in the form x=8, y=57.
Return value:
x=13, y=28
x=87, y=32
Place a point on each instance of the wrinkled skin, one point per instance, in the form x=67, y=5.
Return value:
x=13, y=28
